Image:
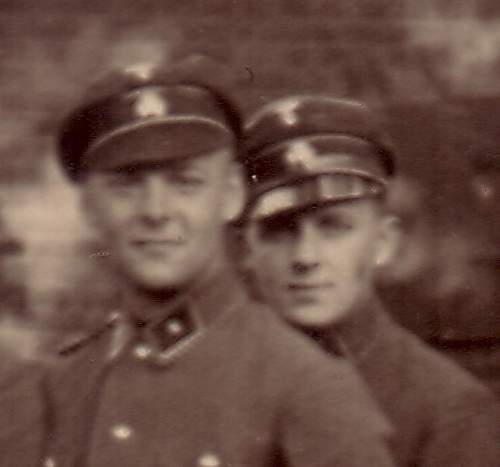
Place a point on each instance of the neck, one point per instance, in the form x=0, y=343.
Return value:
x=357, y=330
x=354, y=333
x=145, y=305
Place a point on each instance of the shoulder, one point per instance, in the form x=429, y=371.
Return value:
x=283, y=345
x=310, y=380
x=439, y=380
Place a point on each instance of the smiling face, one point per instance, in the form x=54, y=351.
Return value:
x=315, y=265
x=164, y=224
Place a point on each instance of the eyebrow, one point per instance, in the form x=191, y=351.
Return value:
x=172, y=166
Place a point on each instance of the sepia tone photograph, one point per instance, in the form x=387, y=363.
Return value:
x=250, y=234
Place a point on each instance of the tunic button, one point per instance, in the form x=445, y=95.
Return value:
x=121, y=432
x=142, y=351
x=49, y=462
x=209, y=459
x=174, y=327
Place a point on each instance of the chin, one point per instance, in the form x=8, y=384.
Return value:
x=313, y=316
x=156, y=282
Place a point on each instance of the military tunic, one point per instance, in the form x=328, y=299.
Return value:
x=441, y=415
x=215, y=380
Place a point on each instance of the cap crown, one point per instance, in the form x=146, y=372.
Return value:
x=305, y=116
x=308, y=149
x=142, y=96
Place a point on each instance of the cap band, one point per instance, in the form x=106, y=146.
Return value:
x=317, y=189
x=315, y=155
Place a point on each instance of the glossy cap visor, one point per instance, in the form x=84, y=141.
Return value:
x=313, y=191
x=155, y=143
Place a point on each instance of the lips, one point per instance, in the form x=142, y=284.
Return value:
x=308, y=293
x=306, y=286
x=156, y=246
x=159, y=242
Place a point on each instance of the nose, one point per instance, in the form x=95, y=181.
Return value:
x=306, y=256
x=155, y=202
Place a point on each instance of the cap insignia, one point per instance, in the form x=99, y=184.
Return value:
x=143, y=71
x=301, y=156
x=287, y=111
x=150, y=104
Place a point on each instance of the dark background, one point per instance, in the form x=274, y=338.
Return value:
x=432, y=65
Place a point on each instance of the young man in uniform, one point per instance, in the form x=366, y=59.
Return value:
x=187, y=371
x=316, y=227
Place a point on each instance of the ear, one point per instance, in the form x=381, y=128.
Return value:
x=87, y=207
x=248, y=242
x=240, y=248
x=235, y=196
x=388, y=240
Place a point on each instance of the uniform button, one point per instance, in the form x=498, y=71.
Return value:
x=209, y=459
x=142, y=351
x=121, y=432
x=49, y=462
x=174, y=327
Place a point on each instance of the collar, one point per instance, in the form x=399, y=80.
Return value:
x=186, y=318
x=171, y=324
x=356, y=335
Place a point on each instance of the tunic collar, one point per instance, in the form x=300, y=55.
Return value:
x=171, y=321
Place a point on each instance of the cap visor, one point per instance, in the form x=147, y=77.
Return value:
x=156, y=142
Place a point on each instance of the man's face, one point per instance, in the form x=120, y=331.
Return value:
x=164, y=225
x=315, y=265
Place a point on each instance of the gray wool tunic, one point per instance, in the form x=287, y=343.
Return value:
x=441, y=414
x=215, y=380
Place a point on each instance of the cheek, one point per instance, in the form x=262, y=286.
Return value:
x=352, y=258
x=270, y=263
x=268, y=271
x=110, y=216
x=202, y=213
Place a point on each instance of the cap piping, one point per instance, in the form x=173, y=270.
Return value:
x=151, y=121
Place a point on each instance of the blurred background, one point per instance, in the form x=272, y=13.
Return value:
x=432, y=65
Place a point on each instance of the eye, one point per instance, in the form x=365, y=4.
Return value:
x=277, y=227
x=187, y=180
x=123, y=179
x=333, y=223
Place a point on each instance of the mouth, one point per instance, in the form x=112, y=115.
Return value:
x=156, y=245
x=308, y=293
x=156, y=241
x=308, y=286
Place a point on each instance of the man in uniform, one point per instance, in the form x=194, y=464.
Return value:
x=316, y=226
x=187, y=371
